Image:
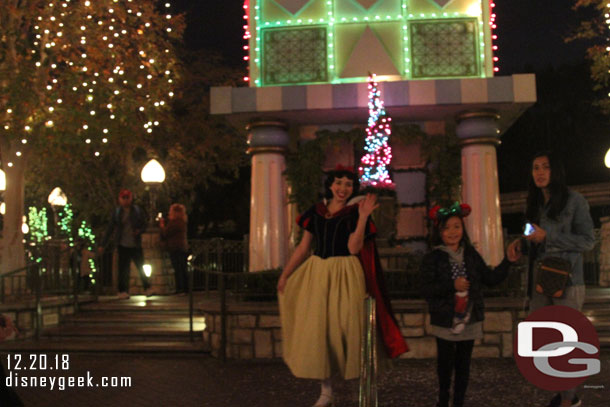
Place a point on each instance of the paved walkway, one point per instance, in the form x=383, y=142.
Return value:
x=176, y=380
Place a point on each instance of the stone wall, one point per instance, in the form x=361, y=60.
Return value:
x=53, y=310
x=254, y=331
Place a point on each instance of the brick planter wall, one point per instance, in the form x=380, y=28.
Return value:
x=254, y=331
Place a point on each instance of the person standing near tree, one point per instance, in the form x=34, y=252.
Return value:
x=173, y=236
x=126, y=227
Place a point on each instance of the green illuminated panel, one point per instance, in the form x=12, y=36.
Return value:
x=444, y=48
x=294, y=55
x=295, y=11
x=436, y=6
x=358, y=10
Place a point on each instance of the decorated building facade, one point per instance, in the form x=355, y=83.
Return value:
x=308, y=66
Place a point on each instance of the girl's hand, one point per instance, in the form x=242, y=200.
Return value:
x=513, y=251
x=461, y=284
x=281, y=284
x=367, y=205
x=538, y=235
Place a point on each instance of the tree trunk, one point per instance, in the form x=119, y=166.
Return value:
x=13, y=255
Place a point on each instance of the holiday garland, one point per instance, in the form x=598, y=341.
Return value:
x=304, y=170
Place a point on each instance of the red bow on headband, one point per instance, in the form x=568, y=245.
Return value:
x=437, y=213
x=340, y=167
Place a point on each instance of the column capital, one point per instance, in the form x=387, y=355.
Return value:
x=267, y=136
x=478, y=127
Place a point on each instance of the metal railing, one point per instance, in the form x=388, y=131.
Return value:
x=54, y=274
x=368, y=356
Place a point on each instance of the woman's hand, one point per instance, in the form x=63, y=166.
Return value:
x=461, y=284
x=281, y=284
x=513, y=251
x=367, y=205
x=538, y=235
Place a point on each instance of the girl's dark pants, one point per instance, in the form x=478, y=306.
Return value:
x=453, y=355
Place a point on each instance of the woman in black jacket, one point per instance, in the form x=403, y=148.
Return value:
x=452, y=277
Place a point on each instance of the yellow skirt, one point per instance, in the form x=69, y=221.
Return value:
x=322, y=314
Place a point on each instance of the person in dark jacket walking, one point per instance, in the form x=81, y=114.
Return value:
x=126, y=227
x=453, y=268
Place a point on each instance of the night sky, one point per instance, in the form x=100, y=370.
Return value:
x=530, y=32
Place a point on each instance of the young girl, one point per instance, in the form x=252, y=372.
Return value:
x=451, y=268
x=322, y=301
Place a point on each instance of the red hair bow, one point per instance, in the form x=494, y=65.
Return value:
x=340, y=167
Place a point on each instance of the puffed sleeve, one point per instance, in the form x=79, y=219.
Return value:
x=305, y=220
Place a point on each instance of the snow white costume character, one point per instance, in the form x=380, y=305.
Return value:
x=322, y=300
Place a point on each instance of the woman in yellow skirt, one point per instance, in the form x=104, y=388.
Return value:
x=321, y=299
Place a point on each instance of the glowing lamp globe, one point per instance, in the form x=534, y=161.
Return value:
x=25, y=229
x=153, y=172
x=607, y=159
x=2, y=181
x=57, y=197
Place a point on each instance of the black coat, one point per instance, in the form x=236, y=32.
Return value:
x=439, y=291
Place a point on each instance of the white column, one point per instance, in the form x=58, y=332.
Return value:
x=479, y=134
x=268, y=199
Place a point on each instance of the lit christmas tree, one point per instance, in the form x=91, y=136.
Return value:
x=373, y=165
x=78, y=72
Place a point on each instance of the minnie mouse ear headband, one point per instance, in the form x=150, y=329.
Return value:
x=438, y=214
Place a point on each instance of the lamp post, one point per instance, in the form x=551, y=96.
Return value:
x=153, y=176
x=57, y=199
x=604, y=249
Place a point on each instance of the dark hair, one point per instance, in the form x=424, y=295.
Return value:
x=557, y=188
x=330, y=178
x=436, y=232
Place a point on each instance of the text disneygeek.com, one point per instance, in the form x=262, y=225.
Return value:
x=19, y=365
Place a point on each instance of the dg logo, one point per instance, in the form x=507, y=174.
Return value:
x=556, y=348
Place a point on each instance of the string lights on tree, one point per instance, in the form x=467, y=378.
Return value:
x=66, y=217
x=76, y=76
x=85, y=234
x=37, y=222
x=374, y=164
x=89, y=69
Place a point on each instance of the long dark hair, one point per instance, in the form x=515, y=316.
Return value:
x=437, y=240
x=557, y=188
x=330, y=178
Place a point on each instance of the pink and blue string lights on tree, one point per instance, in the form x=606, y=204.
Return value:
x=374, y=163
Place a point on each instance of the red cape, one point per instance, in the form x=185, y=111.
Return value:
x=393, y=341
x=395, y=344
